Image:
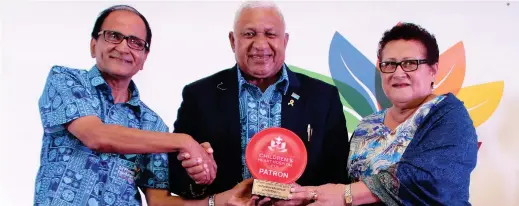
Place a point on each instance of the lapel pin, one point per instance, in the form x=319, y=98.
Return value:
x=295, y=96
x=291, y=102
x=219, y=86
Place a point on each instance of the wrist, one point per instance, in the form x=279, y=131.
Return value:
x=182, y=141
x=199, y=202
x=220, y=199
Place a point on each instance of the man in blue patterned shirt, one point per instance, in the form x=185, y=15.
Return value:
x=259, y=92
x=100, y=140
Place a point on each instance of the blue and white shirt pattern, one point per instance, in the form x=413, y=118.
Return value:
x=72, y=174
x=259, y=110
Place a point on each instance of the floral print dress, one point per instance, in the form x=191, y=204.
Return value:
x=374, y=147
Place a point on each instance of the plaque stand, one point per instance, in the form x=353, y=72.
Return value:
x=271, y=189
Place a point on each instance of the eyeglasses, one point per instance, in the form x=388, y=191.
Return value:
x=132, y=41
x=406, y=65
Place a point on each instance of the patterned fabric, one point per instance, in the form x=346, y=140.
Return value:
x=374, y=147
x=433, y=168
x=258, y=110
x=72, y=174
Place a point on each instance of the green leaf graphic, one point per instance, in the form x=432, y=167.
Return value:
x=352, y=118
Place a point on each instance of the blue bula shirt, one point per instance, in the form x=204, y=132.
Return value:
x=258, y=110
x=72, y=174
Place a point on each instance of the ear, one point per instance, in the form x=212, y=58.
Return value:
x=93, y=43
x=434, y=70
x=231, y=40
x=286, y=39
x=144, y=59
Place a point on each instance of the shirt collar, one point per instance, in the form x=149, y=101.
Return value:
x=97, y=80
x=282, y=83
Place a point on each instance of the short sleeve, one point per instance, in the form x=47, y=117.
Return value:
x=65, y=98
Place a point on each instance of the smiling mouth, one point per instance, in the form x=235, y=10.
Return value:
x=400, y=85
x=121, y=60
x=260, y=57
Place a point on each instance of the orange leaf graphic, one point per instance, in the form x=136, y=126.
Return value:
x=451, y=71
x=481, y=100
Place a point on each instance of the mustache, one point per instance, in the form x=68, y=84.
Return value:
x=116, y=55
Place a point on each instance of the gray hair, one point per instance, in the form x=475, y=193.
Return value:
x=258, y=4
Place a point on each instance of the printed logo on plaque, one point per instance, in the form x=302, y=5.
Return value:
x=276, y=158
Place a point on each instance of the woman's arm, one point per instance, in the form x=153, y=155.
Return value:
x=333, y=194
x=361, y=194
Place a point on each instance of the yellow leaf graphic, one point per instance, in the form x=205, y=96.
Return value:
x=481, y=100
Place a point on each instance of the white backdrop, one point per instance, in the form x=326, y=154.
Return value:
x=191, y=37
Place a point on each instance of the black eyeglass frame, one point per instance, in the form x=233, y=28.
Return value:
x=123, y=37
x=416, y=62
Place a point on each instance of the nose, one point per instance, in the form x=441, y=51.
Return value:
x=260, y=42
x=123, y=47
x=399, y=72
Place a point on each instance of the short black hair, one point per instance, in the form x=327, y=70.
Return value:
x=410, y=31
x=102, y=17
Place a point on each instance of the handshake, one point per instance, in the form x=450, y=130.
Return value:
x=198, y=160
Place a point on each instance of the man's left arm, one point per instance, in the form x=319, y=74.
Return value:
x=239, y=195
x=154, y=182
x=161, y=197
x=336, y=143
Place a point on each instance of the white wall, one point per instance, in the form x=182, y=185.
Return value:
x=191, y=37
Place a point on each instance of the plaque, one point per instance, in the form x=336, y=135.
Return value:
x=276, y=158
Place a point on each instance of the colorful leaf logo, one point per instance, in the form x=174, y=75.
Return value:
x=481, y=100
x=356, y=73
x=361, y=92
x=451, y=71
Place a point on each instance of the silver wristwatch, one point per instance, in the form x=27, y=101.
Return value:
x=211, y=200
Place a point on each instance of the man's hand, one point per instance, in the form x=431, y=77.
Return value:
x=239, y=195
x=198, y=161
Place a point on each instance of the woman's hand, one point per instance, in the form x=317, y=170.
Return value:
x=298, y=196
x=328, y=194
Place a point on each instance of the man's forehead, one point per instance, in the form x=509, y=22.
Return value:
x=260, y=15
x=126, y=22
x=260, y=27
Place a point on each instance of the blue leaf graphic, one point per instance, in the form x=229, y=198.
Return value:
x=382, y=99
x=350, y=67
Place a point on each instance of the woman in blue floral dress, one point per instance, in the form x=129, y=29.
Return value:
x=421, y=150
